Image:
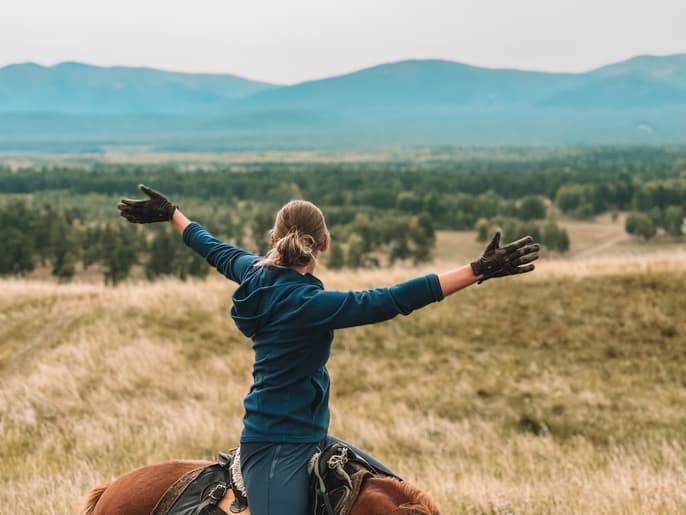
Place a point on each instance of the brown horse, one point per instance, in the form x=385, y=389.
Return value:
x=137, y=492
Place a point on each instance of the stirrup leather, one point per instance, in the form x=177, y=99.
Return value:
x=232, y=462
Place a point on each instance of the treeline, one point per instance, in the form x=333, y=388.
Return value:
x=70, y=239
x=40, y=236
x=455, y=194
x=378, y=212
x=646, y=224
x=548, y=233
x=653, y=204
x=362, y=183
x=585, y=200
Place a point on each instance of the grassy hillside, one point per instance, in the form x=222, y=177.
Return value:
x=561, y=392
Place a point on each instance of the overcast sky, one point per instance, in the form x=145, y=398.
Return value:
x=289, y=41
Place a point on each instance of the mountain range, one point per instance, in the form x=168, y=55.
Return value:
x=78, y=107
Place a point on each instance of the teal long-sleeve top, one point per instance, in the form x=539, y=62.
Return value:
x=290, y=319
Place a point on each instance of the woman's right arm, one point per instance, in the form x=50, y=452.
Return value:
x=338, y=309
x=346, y=309
x=455, y=280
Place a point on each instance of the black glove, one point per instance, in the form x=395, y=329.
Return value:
x=500, y=261
x=156, y=209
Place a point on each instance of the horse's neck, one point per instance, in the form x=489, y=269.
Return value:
x=388, y=495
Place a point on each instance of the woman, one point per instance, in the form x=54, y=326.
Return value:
x=290, y=318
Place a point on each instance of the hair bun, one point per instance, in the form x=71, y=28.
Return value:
x=295, y=248
x=299, y=232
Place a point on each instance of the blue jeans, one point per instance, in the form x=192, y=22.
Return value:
x=275, y=474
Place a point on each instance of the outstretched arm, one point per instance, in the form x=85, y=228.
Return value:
x=334, y=310
x=457, y=279
x=231, y=261
x=180, y=221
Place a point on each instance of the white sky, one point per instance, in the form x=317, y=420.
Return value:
x=293, y=40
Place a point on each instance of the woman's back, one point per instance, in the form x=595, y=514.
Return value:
x=289, y=398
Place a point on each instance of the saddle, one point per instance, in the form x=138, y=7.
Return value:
x=210, y=490
x=336, y=477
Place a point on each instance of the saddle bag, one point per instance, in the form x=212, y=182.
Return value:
x=336, y=477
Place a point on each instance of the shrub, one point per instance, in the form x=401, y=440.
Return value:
x=640, y=224
x=555, y=237
x=532, y=208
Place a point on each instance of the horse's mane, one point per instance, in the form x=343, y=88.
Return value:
x=425, y=505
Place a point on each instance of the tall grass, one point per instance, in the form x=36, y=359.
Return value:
x=561, y=392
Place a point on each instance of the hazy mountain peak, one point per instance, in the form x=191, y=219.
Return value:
x=22, y=66
x=654, y=66
x=75, y=87
x=75, y=64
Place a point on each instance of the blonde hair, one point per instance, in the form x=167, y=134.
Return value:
x=299, y=232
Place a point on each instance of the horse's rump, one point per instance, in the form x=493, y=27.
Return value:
x=138, y=491
x=200, y=491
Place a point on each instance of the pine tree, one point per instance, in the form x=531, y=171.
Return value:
x=64, y=249
x=355, y=251
x=17, y=224
x=121, y=247
x=163, y=253
x=673, y=221
x=336, y=259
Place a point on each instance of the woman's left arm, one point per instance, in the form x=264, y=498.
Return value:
x=180, y=221
x=229, y=260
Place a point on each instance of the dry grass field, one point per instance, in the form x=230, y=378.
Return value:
x=561, y=392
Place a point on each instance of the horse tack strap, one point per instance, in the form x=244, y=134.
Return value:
x=209, y=505
x=196, y=493
x=174, y=491
x=356, y=480
x=336, y=477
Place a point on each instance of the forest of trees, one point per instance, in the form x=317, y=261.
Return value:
x=378, y=212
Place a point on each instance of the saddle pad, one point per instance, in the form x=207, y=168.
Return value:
x=188, y=492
